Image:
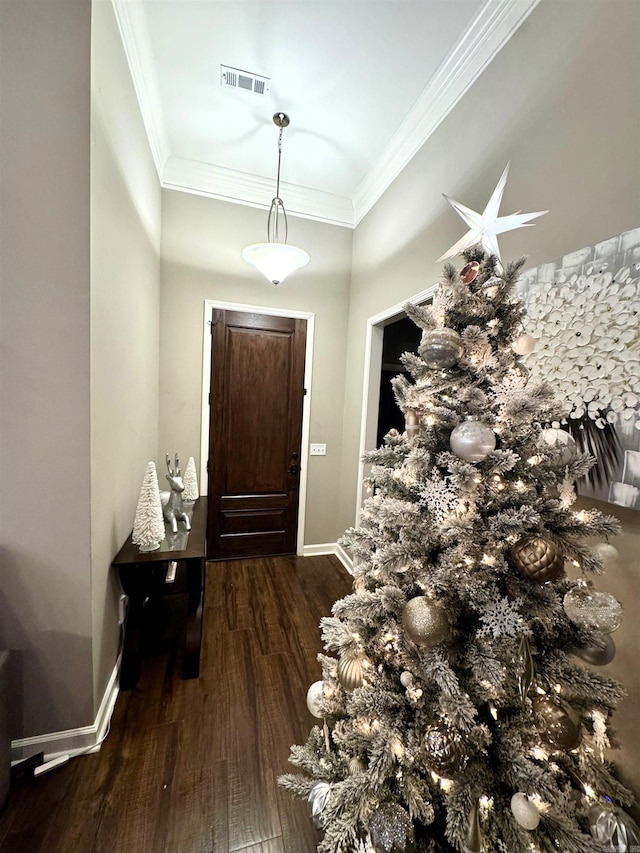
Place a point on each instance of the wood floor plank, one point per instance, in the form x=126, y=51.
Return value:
x=271, y=845
x=191, y=766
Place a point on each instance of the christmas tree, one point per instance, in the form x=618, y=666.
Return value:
x=458, y=714
x=148, y=525
x=191, y=492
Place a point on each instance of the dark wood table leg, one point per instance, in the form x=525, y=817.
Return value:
x=193, y=627
x=132, y=644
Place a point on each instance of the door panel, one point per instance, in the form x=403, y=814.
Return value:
x=257, y=373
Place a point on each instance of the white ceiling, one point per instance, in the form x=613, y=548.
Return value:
x=365, y=83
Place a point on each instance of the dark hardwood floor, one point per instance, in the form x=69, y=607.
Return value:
x=191, y=766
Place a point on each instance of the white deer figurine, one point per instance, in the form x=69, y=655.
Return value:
x=172, y=507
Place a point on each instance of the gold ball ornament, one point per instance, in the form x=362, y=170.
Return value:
x=537, y=559
x=351, y=670
x=440, y=348
x=557, y=723
x=445, y=751
x=424, y=622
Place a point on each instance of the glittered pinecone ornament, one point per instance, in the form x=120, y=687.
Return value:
x=391, y=829
x=445, y=751
x=425, y=623
x=351, y=670
x=538, y=559
x=556, y=723
x=440, y=348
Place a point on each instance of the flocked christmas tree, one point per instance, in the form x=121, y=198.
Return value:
x=457, y=713
x=191, y=492
x=148, y=525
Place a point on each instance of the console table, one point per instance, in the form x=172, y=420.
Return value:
x=178, y=566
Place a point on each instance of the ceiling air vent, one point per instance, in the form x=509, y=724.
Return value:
x=235, y=78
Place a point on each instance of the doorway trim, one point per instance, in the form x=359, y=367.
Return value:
x=371, y=383
x=209, y=305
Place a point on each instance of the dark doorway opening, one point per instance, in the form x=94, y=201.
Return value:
x=401, y=336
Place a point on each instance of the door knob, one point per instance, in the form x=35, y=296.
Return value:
x=294, y=469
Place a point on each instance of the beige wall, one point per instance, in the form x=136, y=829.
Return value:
x=125, y=316
x=561, y=102
x=201, y=244
x=45, y=612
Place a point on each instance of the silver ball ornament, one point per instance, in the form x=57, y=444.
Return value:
x=558, y=444
x=557, y=723
x=593, y=609
x=440, y=348
x=472, y=440
x=524, y=811
x=391, y=829
x=424, y=622
x=314, y=698
x=599, y=652
x=607, y=554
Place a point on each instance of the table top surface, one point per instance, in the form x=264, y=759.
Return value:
x=183, y=545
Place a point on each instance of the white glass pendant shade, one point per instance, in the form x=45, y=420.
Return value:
x=275, y=261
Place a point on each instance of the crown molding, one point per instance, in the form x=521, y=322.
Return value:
x=492, y=28
x=228, y=185
x=135, y=41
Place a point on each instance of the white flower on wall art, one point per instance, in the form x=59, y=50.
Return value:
x=584, y=309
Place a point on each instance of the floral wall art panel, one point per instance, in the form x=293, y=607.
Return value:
x=584, y=309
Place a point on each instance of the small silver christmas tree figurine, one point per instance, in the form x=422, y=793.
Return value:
x=148, y=525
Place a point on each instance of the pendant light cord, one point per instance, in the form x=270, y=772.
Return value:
x=277, y=207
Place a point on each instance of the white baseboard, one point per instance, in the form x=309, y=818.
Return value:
x=329, y=548
x=73, y=741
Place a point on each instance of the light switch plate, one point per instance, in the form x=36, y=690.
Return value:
x=318, y=450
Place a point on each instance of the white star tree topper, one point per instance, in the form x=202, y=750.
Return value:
x=484, y=227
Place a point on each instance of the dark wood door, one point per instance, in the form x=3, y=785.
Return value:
x=255, y=432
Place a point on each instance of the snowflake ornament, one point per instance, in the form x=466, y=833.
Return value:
x=438, y=497
x=502, y=619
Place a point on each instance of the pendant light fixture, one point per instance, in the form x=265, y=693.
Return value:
x=275, y=259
